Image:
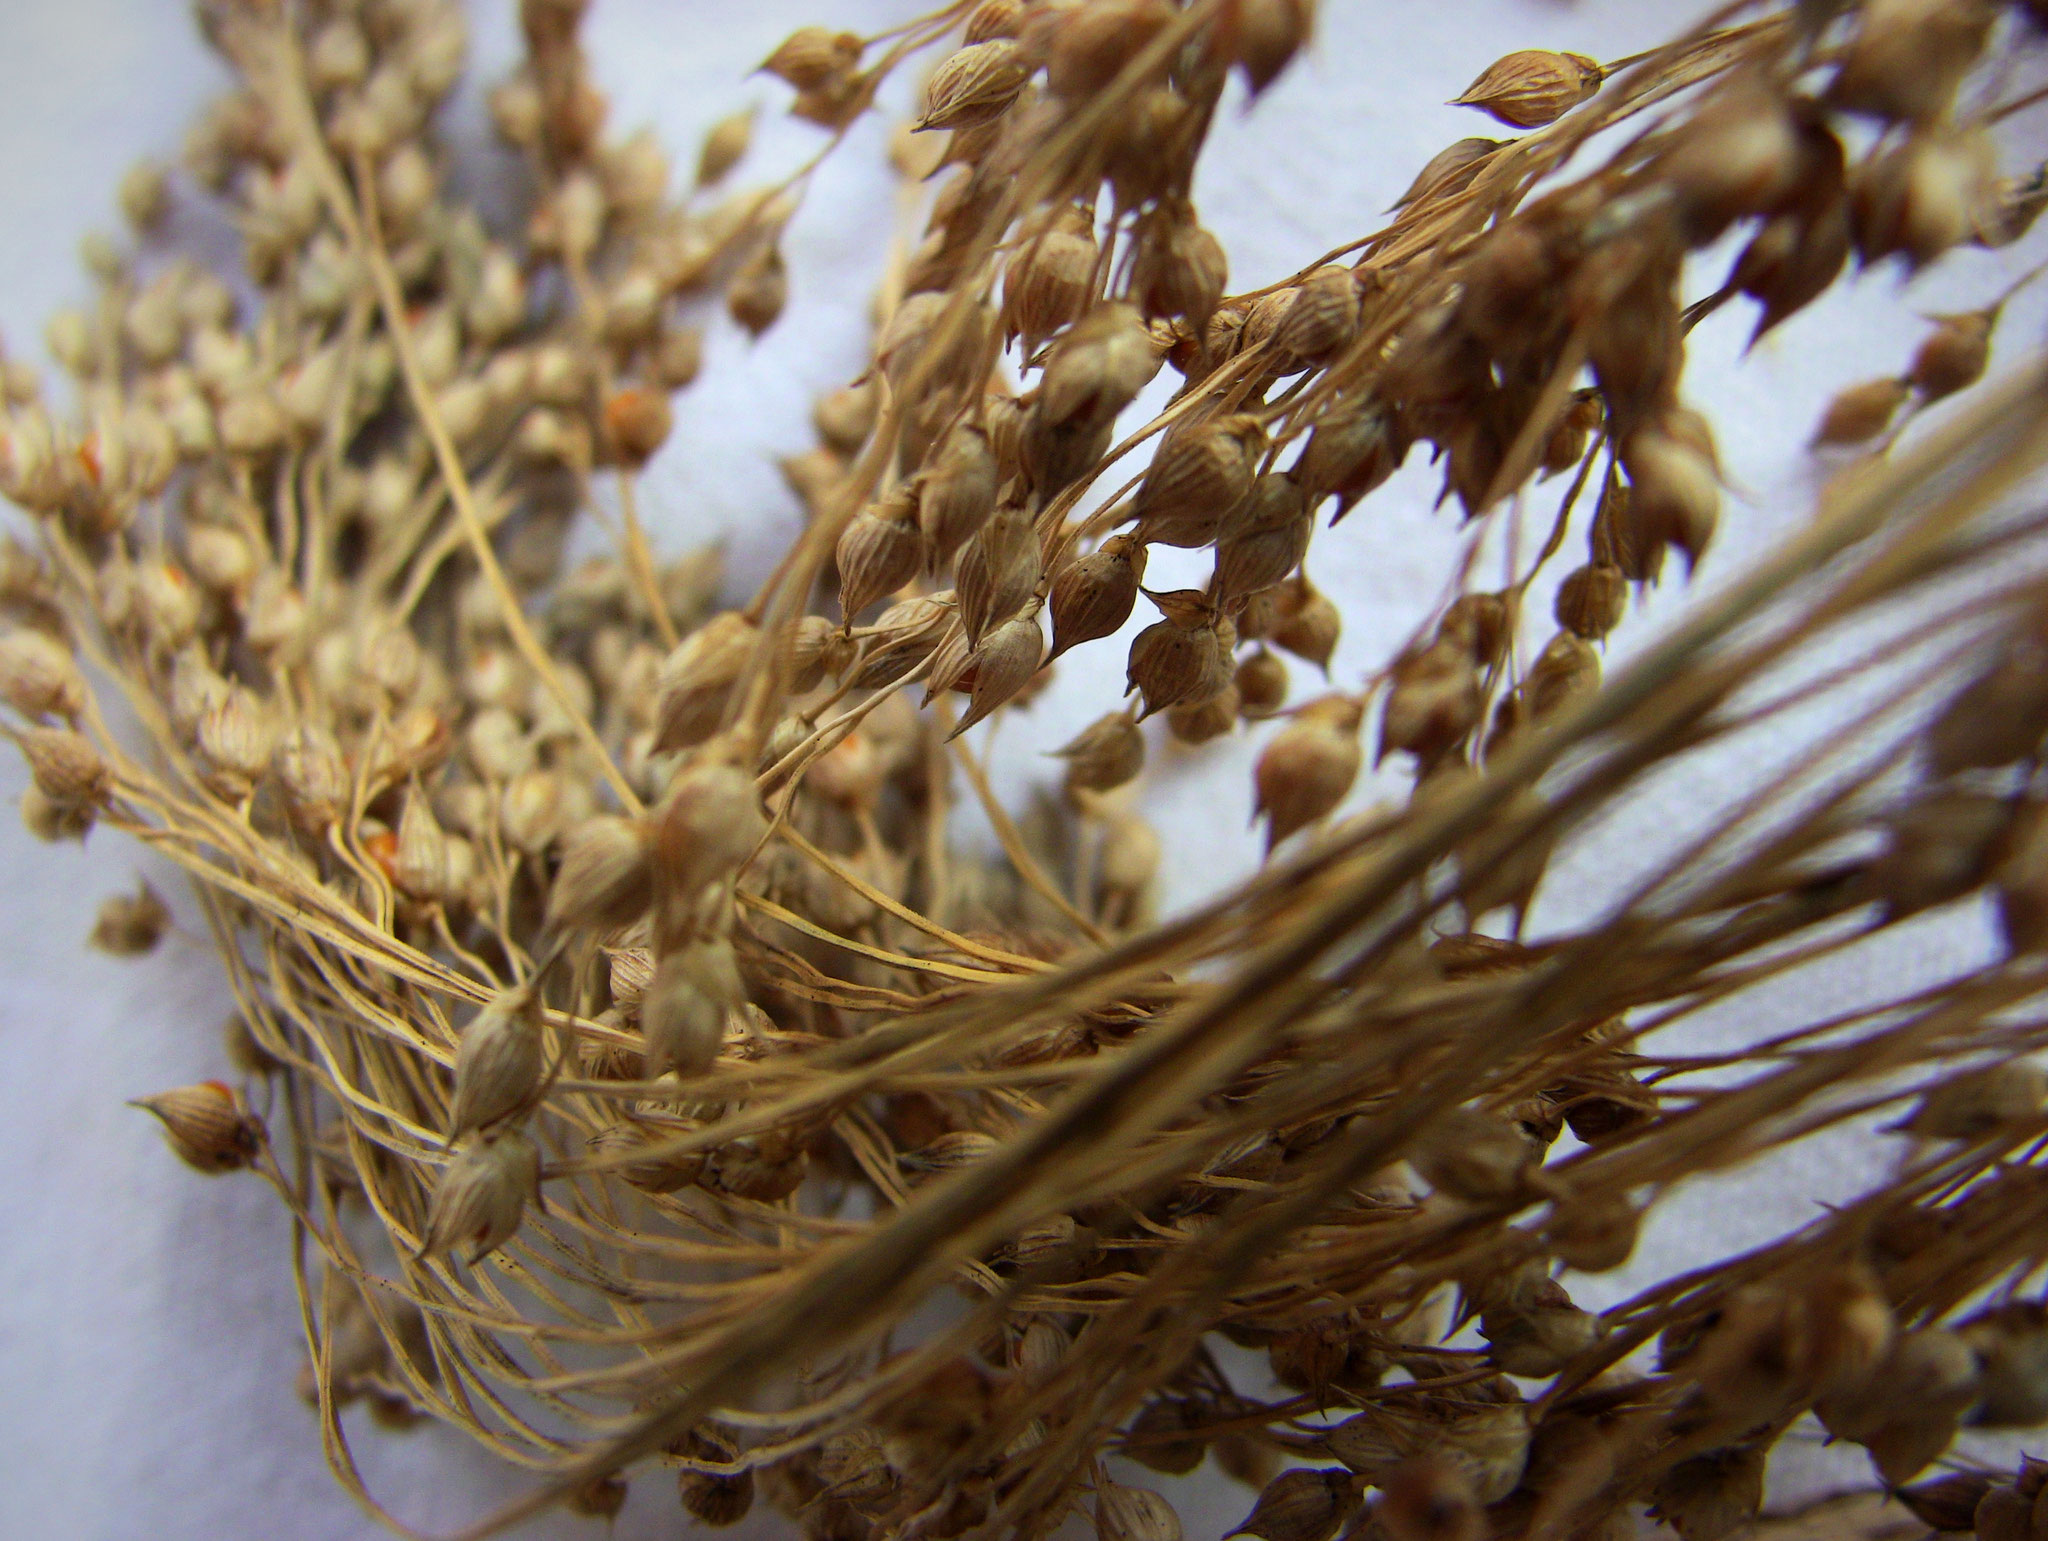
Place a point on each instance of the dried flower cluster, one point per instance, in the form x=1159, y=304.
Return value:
x=636, y=1051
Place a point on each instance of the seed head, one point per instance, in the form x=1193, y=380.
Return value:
x=1307, y=623
x=1860, y=413
x=998, y=570
x=1674, y=481
x=235, y=737
x=1182, y=658
x=625, y=1142
x=811, y=57
x=1321, y=319
x=709, y=822
x=606, y=878
x=1202, y=472
x=637, y=423
x=1353, y=449
x=207, y=1126
x=1907, y=57
x=1107, y=753
x=1533, y=87
x=1132, y=1513
x=480, y=1197
x=696, y=680
x=311, y=771
x=1179, y=269
x=1004, y=663
x=759, y=290
x=1261, y=37
x=1591, y=600
x=1449, y=171
x=1046, y=285
x=1434, y=703
x=1261, y=681
x=1953, y=355
x=1097, y=368
x=725, y=146
x=1923, y=196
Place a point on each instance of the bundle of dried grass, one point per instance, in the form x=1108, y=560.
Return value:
x=635, y=1055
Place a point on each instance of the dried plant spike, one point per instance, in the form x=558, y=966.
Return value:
x=498, y=1063
x=480, y=1198
x=207, y=1126
x=1860, y=413
x=1309, y=767
x=129, y=925
x=1305, y=1504
x=1533, y=87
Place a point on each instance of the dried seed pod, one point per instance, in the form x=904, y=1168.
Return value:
x=717, y=1499
x=1202, y=472
x=1947, y=1503
x=1533, y=87
x=957, y=493
x=1104, y=755
x=2011, y=1345
x=950, y=1152
x=498, y=1063
x=207, y=1125
x=1305, y=1504
x=845, y=417
x=1322, y=319
x=1450, y=171
x=1260, y=37
x=1354, y=447
x=1309, y=766
x=811, y=57
x=38, y=677
x=1055, y=455
x=1094, y=595
x=1674, y=483
x=1126, y=869
x=997, y=571
x=1952, y=357
x=1740, y=154
x=1475, y=1156
x=1181, y=658
x=1434, y=703
x=707, y=825
x=1860, y=413
x=1178, y=269
x=1999, y=716
x=50, y=821
x=1047, y=283
x=67, y=769
x=129, y=925
x=481, y=1196
x=1591, y=600
x=745, y=1169
x=974, y=85
x=1919, y=198
x=880, y=551
x=683, y=1013
x=1003, y=664
x=931, y=324
x=235, y=738
x=725, y=146
x=1712, y=1496
x=632, y=1145
x=1593, y=1234
x=1307, y=623
x=1538, y=1333
x=1938, y=849
x=696, y=680
x=1907, y=57
x=1977, y=1104
x=1911, y=1409
x=310, y=768
x=1261, y=681
x=759, y=290
x=1133, y=1514
x=1197, y=722
x=1097, y=368
x=637, y=422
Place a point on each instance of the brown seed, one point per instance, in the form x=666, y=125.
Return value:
x=724, y=146
x=1674, y=483
x=207, y=1126
x=1449, y=171
x=1593, y=1234
x=1947, y=1503
x=1305, y=1504
x=759, y=290
x=1476, y=1156
x=994, y=19
x=606, y=880
x=1307, y=623
x=1179, y=269
x=1308, y=768
x=1133, y=1514
x=696, y=680
x=811, y=57
x=1977, y=1104
x=1323, y=317
x=2011, y=1345
x=1428, y=1498
x=1094, y=595
x=1739, y=155
x=129, y=925
x=1713, y=1496
x=683, y=1014
x=1261, y=681
x=498, y=1063
x=1104, y=755
x=1907, y=57
x=1261, y=37
x=974, y=85
x=880, y=551
x=235, y=739
x=1200, y=475
x=310, y=769
x=1953, y=355
x=1197, y=722
x=1938, y=849
x=997, y=571
x=1533, y=87
x=1004, y=663
x=1097, y=368
x=1353, y=449
x=633, y=1145
x=1919, y=198
x=1181, y=658
x=67, y=769
x=1860, y=413
x=958, y=493
x=1592, y=600
x=1434, y=703
x=38, y=677
x=637, y=422
x=708, y=824
x=1047, y=283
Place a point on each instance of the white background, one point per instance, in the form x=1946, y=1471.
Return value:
x=148, y=1338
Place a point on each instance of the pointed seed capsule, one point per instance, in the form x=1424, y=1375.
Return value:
x=1094, y=595
x=480, y=1197
x=975, y=85
x=1305, y=1504
x=1533, y=87
x=498, y=1063
x=129, y=925
x=207, y=1126
x=1309, y=766
x=880, y=551
x=1104, y=755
